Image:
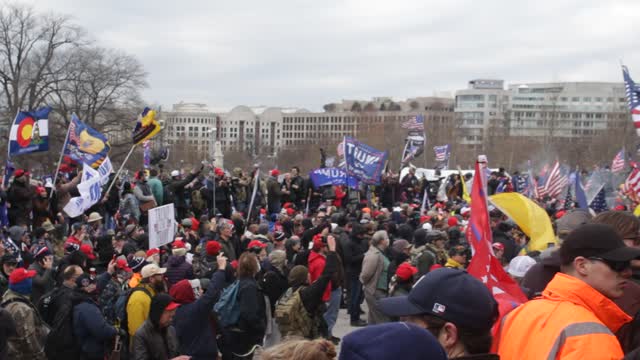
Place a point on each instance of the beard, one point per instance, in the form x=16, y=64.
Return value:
x=158, y=286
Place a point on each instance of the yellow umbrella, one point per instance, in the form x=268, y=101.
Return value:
x=531, y=218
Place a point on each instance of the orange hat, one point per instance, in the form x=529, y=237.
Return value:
x=366, y=210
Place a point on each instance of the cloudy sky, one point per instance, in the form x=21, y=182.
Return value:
x=308, y=53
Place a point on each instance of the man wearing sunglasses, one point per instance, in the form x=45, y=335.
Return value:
x=575, y=317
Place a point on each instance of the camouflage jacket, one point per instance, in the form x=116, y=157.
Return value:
x=32, y=331
x=107, y=300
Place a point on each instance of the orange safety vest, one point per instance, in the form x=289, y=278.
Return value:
x=571, y=320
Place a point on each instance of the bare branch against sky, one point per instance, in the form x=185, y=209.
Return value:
x=309, y=53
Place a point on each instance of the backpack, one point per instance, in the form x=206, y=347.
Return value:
x=44, y=305
x=292, y=317
x=196, y=200
x=227, y=307
x=167, y=194
x=61, y=342
x=121, y=305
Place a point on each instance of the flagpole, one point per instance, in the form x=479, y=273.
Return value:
x=120, y=169
x=64, y=146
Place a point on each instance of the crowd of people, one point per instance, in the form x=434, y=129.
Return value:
x=261, y=267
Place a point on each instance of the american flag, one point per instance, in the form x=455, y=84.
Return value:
x=599, y=203
x=557, y=180
x=632, y=185
x=617, y=165
x=633, y=91
x=442, y=152
x=415, y=122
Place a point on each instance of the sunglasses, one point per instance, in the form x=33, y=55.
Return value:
x=617, y=266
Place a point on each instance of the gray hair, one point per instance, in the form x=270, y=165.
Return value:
x=378, y=237
x=278, y=258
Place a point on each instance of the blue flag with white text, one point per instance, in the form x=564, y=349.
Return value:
x=363, y=161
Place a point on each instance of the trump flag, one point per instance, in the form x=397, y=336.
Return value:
x=30, y=132
x=86, y=145
x=363, y=161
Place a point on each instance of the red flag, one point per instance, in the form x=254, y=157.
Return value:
x=484, y=265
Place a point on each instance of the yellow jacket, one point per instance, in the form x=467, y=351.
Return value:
x=571, y=320
x=138, y=308
x=453, y=264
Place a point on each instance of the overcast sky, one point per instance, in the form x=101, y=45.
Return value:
x=308, y=53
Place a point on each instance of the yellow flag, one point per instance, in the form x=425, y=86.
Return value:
x=531, y=218
x=636, y=211
x=465, y=193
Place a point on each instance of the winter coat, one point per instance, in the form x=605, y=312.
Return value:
x=151, y=343
x=7, y=330
x=20, y=197
x=354, y=254
x=138, y=308
x=156, y=189
x=43, y=282
x=63, y=192
x=177, y=269
x=274, y=284
x=130, y=206
x=204, y=266
x=252, y=322
x=89, y=326
x=176, y=187
x=274, y=195
x=372, y=268
x=40, y=211
x=193, y=325
x=108, y=297
x=317, y=263
x=571, y=320
x=32, y=331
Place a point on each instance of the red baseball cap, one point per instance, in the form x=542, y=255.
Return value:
x=20, y=172
x=497, y=245
x=290, y=211
x=256, y=243
x=178, y=244
x=218, y=172
x=88, y=250
x=275, y=172
x=405, y=271
x=172, y=306
x=424, y=219
x=123, y=265
x=152, y=252
x=452, y=221
x=20, y=274
x=213, y=248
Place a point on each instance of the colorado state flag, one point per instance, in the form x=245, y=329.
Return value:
x=30, y=132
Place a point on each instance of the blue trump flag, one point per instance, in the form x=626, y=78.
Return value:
x=30, y=132
x=332, y=176
x=363, y=161
x=85, y=144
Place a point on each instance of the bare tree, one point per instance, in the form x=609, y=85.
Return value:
x=29, y=47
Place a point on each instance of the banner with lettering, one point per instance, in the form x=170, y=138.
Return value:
x=363, y=161
x=332, y=176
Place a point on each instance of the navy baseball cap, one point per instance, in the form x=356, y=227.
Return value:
x=396, y=340
x=450, y=294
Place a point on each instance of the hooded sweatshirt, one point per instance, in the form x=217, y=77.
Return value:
x=194, y=327
x=152, y=342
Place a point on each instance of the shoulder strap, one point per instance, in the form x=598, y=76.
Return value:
x=15, y=299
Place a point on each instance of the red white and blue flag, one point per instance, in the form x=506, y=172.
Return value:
x=617, y=165
x=442, y=152
x=633, y=92
x=556, y=181
x=30, y=132
x=415, y=122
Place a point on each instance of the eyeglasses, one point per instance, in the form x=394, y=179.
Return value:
x=617, y=266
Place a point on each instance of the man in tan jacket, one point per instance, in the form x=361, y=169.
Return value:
x=374, y=276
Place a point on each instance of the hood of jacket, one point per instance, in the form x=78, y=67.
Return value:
x=175, y=261
x=158, y=304
x=15, y=233
x=567, y=288
x=182, y=292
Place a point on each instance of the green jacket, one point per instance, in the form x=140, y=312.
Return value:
x=156, y=189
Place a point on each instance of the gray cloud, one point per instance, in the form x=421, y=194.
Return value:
x=307, y=53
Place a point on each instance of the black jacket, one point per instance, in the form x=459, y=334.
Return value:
x=252, y=320
x=274, y=284
x=354, y=254
x=176, y=188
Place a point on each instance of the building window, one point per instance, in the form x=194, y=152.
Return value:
x=586, y=99
x=575, y=99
